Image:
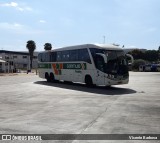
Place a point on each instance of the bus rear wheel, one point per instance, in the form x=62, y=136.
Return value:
x=88, y=81
x=47, y=77
x=52, y=77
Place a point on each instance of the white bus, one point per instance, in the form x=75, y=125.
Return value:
x=92, y=64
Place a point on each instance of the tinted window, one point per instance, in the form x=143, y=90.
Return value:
x=65, y=56
x=47, y=57
x=40, y=57
x=73, y=55
x=62, y=56
x=59, y=56
x=94, y=51
x=111, y=55
x=53, y=56
x=44, y=57
x=99, y=62
x=83, y=55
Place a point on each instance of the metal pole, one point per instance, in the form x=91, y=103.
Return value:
x=104, y=39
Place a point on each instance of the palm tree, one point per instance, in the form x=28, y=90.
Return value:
x=47, y=46
x=31, y=46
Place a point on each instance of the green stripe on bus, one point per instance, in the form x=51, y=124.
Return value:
x=82, y=66
x=44, y=66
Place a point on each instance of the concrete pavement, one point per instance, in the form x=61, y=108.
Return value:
x=29, y=104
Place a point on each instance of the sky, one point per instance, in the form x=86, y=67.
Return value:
x=132, y=23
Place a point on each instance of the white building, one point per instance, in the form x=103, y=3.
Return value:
x=16, y=60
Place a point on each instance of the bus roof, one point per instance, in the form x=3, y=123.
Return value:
x=100, y=46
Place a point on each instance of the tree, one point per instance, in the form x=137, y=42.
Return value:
x=137, y=54
x=31, y=46
x=47, y=46
x=151, y=55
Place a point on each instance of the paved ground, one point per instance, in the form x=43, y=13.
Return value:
x=29, y=104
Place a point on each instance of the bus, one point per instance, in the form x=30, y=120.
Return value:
x=92, y=64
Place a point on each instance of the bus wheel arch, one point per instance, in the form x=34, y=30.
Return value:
x=88, y=80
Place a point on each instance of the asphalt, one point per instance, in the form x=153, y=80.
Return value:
x=30, y=105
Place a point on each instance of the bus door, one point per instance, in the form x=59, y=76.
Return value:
x=100, y=67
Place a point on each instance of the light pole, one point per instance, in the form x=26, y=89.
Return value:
x=104, y=39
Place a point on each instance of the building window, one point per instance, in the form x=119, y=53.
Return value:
x=35, y=57
x=6, y=57
x=24, y=57
x=24, y=65
x=11, y=62
x=14, y=57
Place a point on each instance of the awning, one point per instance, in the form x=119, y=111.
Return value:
x=2, y=61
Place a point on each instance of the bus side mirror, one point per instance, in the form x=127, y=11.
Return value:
x=104, y=57
x=130, y=56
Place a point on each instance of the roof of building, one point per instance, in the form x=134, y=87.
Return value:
x=2, y=61
x=18, y=52
x=14, y=52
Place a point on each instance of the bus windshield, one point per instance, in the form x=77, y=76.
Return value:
x=116, y=61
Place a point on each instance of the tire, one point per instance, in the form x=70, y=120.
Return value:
x=47, y=77
x=88, y=81
x=108, y=86
x=52, y=78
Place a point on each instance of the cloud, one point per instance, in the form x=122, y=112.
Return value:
x=132, y=46
x=12, y=4
x=42, y=21
x=11, y=26
x=16, y=6
x=19, y=29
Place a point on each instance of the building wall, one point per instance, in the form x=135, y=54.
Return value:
x=17, y=60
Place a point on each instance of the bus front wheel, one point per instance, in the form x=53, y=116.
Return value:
x=88, y=81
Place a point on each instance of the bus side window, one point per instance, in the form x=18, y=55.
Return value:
x=59, y=56
x=65, y=56
x=47, y=57
x=43, y=57
x=83, y=55
x=40, y=57
x=73, y=55
x=53, y=56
